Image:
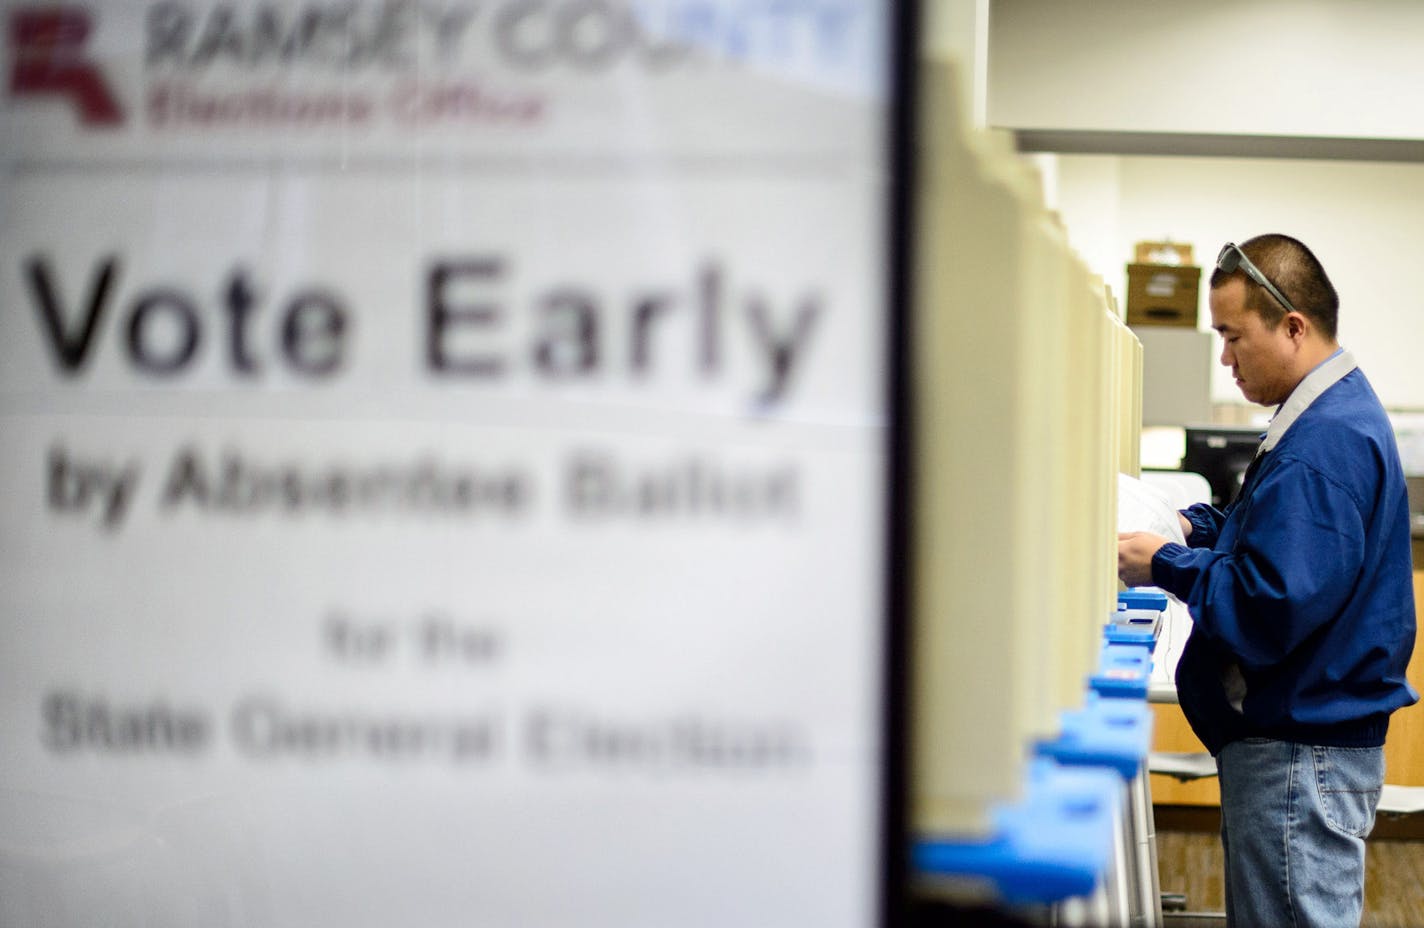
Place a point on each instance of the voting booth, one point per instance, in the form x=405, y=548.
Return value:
x=1030, y=666
x=1025, y=410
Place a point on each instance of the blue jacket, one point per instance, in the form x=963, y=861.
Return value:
x=1302, y=589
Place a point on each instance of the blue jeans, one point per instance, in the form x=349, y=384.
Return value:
x=1293, y=823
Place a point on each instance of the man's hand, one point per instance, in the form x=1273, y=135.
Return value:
x=1134, y=557
x=1186, y=525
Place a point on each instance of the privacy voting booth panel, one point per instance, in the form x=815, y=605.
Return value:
x=445, y=456
x=1016, y=424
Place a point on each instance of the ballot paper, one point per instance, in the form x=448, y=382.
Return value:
x=1145, y=508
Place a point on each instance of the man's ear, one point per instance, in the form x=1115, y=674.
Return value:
x=1297, y=325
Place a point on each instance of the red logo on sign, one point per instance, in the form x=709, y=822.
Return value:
x=48, y=46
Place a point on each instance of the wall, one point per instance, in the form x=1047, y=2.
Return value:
x=1268, y=67
x=1361, y=219
x=1325, y=88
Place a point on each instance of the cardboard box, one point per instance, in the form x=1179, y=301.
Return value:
x=1176, y=253
x=1162, y=294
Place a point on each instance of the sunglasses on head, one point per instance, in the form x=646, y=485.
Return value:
x=1231, y=258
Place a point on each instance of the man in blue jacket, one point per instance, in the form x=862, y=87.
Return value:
x=1301, y=598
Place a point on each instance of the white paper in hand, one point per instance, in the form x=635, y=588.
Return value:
x=1144, y=508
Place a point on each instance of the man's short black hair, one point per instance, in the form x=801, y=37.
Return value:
x=1296, y=272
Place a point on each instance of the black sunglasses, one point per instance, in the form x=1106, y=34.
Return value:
x=1232, y=258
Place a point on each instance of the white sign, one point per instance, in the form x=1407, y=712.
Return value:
x=444, y=460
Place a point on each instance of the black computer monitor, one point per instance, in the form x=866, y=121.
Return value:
x=1221, y=454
